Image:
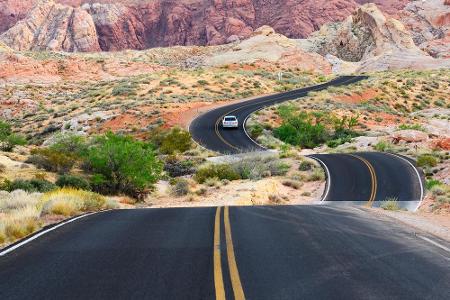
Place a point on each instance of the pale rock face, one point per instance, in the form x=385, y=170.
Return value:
x=365, y=34
x=56, y=27
x=429, y=24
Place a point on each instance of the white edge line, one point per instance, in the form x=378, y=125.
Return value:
x=418, y=176
x=327, y=191
x=27, y=240
x=433, y=242
x=245, y=129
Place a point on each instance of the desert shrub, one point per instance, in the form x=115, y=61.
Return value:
x=293, y=184
x=69, y=202
x=181, y=187
x=412, y=127
x=32, y=185
x=212, y=182
x=70, y=144
x=122, y=164
x=382, y=146
x=258, y=167
x=305, y=165
x=317, y=175
x=53, y=160
x=390, y=203
x=177, y=140
x=438, y=190
x=255, y=131
x=73, y=181
x=8, y=139
x=427, y=160
x=220, y=171
x=124, y=89
x=175, y=168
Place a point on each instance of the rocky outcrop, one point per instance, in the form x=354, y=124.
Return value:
x=365, y=34
x=429, y=24
x=373, y=41
x=51, y=26
x=117, y=25
x=265, y=45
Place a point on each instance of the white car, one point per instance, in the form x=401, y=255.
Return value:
x=230, y=122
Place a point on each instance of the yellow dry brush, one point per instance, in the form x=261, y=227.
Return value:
x=21, y=213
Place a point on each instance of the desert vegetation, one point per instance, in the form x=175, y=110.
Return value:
x=22, y=213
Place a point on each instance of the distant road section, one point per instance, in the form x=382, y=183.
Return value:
x=208, y=132
x=352, y=178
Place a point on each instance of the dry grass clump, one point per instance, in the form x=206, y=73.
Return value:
x=21, y=212
x=69, y=202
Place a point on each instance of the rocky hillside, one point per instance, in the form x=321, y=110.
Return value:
x=108, y=25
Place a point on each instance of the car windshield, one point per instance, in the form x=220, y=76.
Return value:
x=227, y=119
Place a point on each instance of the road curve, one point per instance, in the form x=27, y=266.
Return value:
x=206, y=131
x=357, y=178
x=295, y=252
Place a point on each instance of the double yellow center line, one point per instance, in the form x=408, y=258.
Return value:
x=373, y=179
x=232, y=265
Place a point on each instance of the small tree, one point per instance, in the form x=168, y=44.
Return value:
x=123, y=164
x=8, y=139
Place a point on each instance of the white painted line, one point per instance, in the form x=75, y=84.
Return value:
x=245, y=129
x=433, y=242
x=26, y=241
x=328, y=176
x=418, y=176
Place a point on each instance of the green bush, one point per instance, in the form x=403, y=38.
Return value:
x=431, y=183
x=222, y=171
x=8, y=139
x=301, y=131
x=73, y=181
x=309, y=130
x=427, y=160
x=177, y=140
x=32, y=185
x=122, y=164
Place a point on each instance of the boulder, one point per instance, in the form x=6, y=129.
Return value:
x=409, y=136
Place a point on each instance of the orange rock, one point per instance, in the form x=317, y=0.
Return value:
x=443, y=144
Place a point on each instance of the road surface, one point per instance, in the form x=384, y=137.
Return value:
x=304, y=252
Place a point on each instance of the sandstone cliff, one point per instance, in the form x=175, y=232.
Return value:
x=82, y=25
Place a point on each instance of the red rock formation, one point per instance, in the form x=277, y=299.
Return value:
x=133, y=24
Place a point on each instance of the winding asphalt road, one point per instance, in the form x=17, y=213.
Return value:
x=295, y=252
x=281, y=252
x=360, y=177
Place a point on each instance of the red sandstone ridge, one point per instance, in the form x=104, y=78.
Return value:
x=80, y=25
